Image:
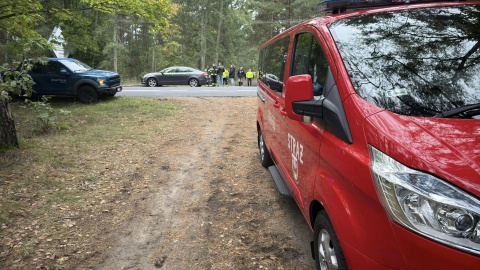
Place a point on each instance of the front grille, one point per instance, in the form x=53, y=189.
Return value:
x=114, y=81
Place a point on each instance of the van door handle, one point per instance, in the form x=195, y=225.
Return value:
x=276, y=104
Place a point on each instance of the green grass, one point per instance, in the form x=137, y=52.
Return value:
x=130, y=81
x=57, y=167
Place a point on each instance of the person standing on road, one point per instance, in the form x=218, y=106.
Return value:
x=231, y=75
x=240, y=76
x=213, y=74
x=249, y=76
x=220, y=70
x=225, y=77
x=209, y=72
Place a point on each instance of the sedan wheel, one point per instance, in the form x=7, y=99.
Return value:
x=152, y=82
x=193, y=82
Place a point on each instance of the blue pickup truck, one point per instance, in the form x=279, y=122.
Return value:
x=70, y=77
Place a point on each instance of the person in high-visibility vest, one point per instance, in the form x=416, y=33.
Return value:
x=225, y=77
x=249, y=76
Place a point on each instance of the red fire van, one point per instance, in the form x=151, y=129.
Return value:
x=370, y=120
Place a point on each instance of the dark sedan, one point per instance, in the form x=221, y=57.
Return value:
x=176, y=76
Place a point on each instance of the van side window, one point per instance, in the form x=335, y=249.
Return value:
x=272, y=64
x=309, y=58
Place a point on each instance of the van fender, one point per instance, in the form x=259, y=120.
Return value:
x=358, y=219
x=333, y=200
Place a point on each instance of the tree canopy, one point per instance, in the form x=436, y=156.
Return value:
x=137, y=36
x=133, y=37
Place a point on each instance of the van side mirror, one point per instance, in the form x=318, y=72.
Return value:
x=299, y=99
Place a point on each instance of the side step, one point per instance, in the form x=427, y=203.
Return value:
x=277, y=178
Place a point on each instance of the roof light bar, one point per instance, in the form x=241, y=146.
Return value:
x=342, y=5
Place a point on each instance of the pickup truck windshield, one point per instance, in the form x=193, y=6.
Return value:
x=420, y=62
x=75, y=66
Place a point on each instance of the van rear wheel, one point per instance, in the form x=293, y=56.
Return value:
x=87, y=94
x=265, y=158
x=327, y=251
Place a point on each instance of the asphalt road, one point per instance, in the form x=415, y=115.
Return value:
x=187, y=91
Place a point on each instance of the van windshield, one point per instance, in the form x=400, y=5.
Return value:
x=420, y=62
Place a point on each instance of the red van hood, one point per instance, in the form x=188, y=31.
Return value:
x=446, y=148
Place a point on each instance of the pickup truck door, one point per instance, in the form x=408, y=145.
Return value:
x=48, y=79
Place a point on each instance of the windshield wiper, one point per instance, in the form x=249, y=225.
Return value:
x=457, y=111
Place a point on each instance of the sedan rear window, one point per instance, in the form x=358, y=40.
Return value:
x=415, y=62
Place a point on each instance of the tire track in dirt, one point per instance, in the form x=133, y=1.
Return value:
x=210, y=204
x=156, y=236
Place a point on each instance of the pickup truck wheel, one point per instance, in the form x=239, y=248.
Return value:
x=152, y=82
x=265, y=158
x=327, y=251
x=87, y=94
x=193, y=82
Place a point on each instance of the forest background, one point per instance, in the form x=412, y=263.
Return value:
x=133, y=37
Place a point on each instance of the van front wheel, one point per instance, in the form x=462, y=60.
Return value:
x=328, y=253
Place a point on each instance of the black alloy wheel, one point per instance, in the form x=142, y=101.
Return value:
x=87, y=94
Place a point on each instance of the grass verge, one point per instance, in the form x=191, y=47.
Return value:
x=57, y=177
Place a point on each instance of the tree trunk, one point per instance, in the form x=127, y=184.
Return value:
x=8, y=133
x=115, y=57
x=289, y=14
x=219, y=31
x=203, y=41
x=154, y=68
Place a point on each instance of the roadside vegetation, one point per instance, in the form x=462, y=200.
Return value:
x=69, y=158
x=135, y=37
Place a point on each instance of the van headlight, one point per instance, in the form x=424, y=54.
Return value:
x=427, y=205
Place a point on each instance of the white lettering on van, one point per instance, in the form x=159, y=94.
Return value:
x=296, y=148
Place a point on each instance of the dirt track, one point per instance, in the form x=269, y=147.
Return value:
x=192, y=196
x=210, y=204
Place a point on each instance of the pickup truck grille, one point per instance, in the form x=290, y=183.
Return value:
x=114, y=81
